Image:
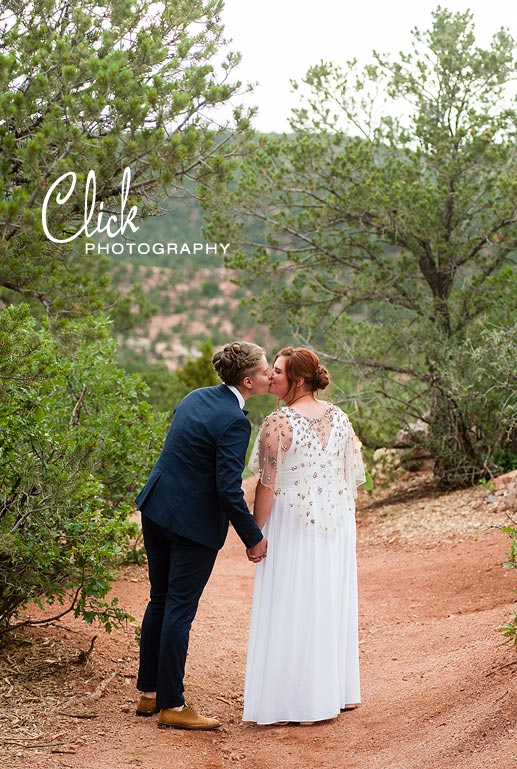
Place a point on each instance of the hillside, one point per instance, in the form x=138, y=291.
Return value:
x=192, y=302
x=193, y=294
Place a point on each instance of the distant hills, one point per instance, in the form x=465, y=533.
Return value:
x=185, y=279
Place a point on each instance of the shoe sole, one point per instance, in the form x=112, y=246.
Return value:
x=189, y=728
x=146, y=713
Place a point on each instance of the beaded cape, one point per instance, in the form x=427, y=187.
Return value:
x=313, y=464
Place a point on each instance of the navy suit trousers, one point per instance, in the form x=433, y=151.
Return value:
x=178, y=572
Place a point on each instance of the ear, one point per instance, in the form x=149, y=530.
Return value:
x=247, y=382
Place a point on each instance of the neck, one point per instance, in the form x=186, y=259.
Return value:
x=244, y=391
x=300, y=397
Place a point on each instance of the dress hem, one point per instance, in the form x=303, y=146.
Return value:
x=287, y=721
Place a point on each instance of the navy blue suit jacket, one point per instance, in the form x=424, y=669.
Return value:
x=194, y=488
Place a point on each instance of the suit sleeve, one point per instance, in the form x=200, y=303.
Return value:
x=230, y=456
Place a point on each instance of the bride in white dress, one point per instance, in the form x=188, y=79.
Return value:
x=303, y=659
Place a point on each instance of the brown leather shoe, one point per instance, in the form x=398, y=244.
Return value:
x=186, y=719
x=146, y=706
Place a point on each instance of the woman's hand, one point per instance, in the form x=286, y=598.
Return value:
x=258, y=552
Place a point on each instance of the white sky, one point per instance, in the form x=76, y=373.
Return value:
x=280, y=39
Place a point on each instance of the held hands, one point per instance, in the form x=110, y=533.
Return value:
x=258, y=551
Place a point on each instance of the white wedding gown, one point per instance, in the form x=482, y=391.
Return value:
x=303, y=659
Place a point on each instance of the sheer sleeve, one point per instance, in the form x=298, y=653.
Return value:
x=271, y=444
x=354, y=467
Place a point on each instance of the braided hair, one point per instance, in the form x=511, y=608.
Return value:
x=235, y=359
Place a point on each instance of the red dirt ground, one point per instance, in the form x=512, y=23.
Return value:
x=438, y=684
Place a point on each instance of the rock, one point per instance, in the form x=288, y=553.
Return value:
x=410, y=435
x=506, y=492
x=508, y=479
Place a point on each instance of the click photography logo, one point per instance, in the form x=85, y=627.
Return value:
x=102, y=230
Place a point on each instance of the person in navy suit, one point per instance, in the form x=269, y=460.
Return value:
x=193, y=492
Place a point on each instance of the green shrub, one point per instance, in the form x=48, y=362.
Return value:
x=76, y=443
x=473, y=433
x=510, y=629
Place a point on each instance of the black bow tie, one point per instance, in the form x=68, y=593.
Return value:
x=244, y=411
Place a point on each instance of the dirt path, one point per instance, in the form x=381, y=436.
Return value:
x=438, y=686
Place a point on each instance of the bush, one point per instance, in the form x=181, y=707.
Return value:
x=76, y=443
x=510, y=629
x=473, y=434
